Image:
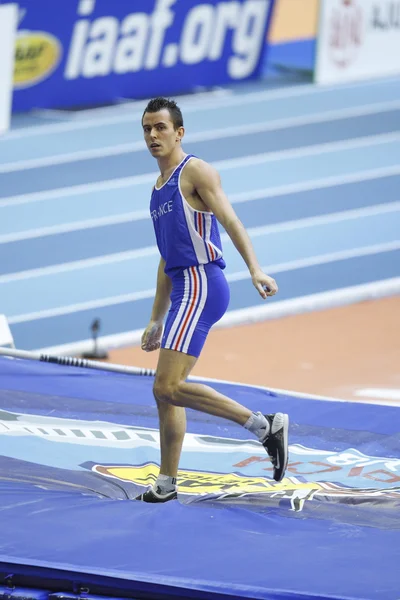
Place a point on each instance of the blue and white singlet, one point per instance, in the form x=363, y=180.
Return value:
x=189, y=241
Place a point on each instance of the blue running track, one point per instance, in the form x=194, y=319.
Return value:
x=313, y=173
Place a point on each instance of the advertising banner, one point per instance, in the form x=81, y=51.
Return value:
x=357, y=39
x=8, y=25
x=90, y=52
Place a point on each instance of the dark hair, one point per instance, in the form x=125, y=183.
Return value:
x=157, y=104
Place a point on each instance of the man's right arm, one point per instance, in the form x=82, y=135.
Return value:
x=151, y=337
x=163, y=291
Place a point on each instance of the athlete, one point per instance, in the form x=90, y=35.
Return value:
x=186, y=203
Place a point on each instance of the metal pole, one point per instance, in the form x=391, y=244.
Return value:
x=70, y=361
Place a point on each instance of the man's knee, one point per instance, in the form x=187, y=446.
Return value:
x=166, y=391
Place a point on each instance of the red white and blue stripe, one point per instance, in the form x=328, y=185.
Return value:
x=191, y=307
x=202, y=224
x=201, y=231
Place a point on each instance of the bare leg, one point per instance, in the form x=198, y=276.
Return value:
x=170, y=387
x=172, y=421
x=173, y=394
x=206, y=399
x=172, y=433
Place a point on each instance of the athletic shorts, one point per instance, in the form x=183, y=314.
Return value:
x=199, y=298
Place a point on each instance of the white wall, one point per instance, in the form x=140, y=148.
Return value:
x=357, y=39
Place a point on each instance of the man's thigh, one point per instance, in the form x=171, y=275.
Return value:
x=174, y=366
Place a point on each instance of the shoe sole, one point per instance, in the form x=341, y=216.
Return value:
x=156, y=499
x=285, y=445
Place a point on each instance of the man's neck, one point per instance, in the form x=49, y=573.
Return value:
x=168, y=163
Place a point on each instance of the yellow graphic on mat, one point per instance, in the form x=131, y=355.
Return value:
x=200, y=482
x=37, y=53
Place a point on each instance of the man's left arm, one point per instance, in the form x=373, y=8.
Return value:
x=207, y=183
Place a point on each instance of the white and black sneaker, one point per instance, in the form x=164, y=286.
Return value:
x=276, y=443
x=156, y=496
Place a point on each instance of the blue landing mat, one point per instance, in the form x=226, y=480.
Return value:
x=77, y=445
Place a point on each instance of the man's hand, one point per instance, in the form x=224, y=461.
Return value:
x=265, y=285
x=151, y=338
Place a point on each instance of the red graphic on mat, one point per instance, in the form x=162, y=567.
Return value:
x=346, y=32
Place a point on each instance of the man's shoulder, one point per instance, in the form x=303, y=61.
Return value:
x=197, y=167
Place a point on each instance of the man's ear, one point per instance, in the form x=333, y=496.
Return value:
x=180, y=132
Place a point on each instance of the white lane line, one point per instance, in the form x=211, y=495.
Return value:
x=234, y=100
x=234, y=199
x=319, y=301
x=232, y=163
x=252, y=231
x=344, y=215
x=314, y=184
x=137, y=215
x=237, y=276
x=79, y=306
x=321, y=259
x=52, y=113
x=208, y=135
x=197, y=99
x=83, y=188
x=80, y=264
x=253, y=314
x=312, y=150
x=381, y=393
x=67, y=310
x=125, y=104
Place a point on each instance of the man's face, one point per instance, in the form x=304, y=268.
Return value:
x=159, y=133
